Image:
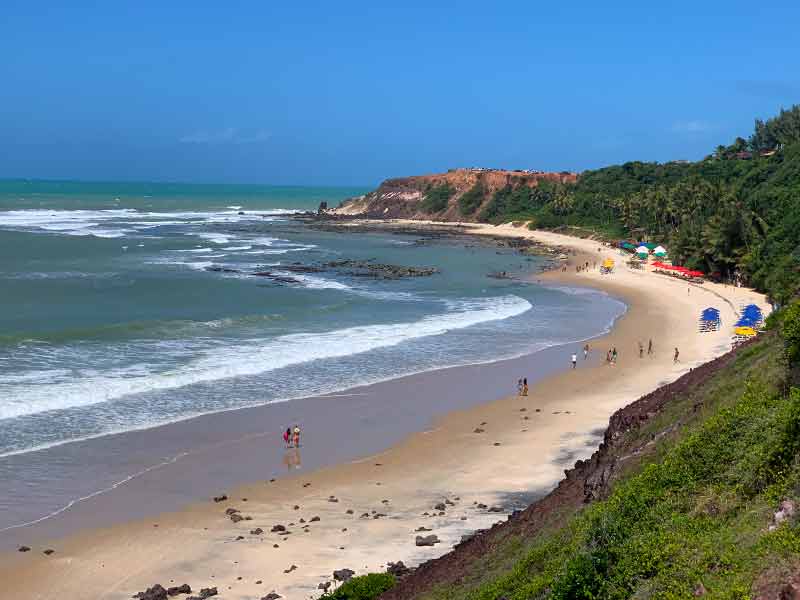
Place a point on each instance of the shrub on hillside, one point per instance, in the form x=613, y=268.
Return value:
x=365, y=587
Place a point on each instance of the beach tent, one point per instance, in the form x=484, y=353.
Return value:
x=660, y=251
x=710, y=314
x=642, y=252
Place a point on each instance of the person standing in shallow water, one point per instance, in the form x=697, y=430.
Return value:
x=519, y=387
x=677, y=354
x=614, y=355
x=574, y=360
x=525, y=386
x=287, y=437
x=586, y=352
x=296, y=436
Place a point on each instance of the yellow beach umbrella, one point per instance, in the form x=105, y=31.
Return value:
x=748, y=331
x=608, y=263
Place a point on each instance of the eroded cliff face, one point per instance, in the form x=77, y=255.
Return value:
x=403, y=197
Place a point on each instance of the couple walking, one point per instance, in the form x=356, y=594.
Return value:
x=292, y=437
x=522, y=387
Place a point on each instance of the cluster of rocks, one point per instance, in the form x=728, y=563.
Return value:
x=366, y=268
x=352, y=268
x=235, y=515
x=158, y=592
x=46, y=551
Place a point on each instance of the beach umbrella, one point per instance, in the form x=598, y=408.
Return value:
x=608, y=263
x=642, y=252
x=660, y=251
x=747, y=331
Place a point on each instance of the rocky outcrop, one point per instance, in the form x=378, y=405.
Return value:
x=402, y=198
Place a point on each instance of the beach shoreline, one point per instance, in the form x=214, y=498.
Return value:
x=467, y=458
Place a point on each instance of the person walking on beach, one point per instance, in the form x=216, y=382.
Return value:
x=574, y=360
x=675, y=358
x=525, y=386
x=296, y=436
x=614, y=355
x=586, y=352
x=650, y=347
x=641, y=350
x=608, y=357
x=519, y=387
x=287, y=437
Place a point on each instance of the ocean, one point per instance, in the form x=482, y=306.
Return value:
x=126, y=306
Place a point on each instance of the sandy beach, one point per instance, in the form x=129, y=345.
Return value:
x=479, y=463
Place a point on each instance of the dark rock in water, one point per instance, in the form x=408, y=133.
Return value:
x=427, y=540
x=290, y=569
x=48, y=552
x=239, y=537
x=216, y=269
x=349, y=511
x=397, y=569
x=313, y=519
x=236, y=517
x=277, y=278
x=157, y=592
x=207, y=593
x=481, y=505
x=221, y=498
x=479, y=430
x=24, y=549
x=256, y=531
x=181, y=589
x=241, y=212
x=323, y=206
x=495, y=509
x=272, y=596
x=231, y=511
x=418, y=529
x=343, y=574
x=277, y=528
x=439, y=506
x=324, y=586
x=365, y=268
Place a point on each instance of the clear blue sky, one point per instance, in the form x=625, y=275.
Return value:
x=354, y=92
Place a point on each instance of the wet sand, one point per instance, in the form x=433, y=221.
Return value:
x=500, y=453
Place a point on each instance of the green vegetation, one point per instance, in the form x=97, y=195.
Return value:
x=691, y=514
x=365, y=587
x=471, y=200
x=731, y=214
x=436, y=198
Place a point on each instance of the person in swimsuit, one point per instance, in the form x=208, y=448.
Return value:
x=296, y=436
x=287, y=437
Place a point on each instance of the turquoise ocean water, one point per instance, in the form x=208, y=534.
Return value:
x=110, y=319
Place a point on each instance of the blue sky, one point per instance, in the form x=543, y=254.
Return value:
x=353, y=92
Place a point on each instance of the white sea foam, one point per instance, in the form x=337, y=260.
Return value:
x=246, y=358
x=111, y=223
x=315, y=283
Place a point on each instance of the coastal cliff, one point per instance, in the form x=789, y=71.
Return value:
x=457, y=195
